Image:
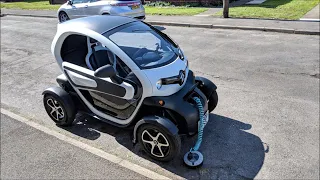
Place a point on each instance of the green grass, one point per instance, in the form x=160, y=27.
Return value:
x=30, y=4
x=44, y=5
x=274, y=9
x=174, y=10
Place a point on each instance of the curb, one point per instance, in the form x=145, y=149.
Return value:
x=208, y=26
x=28, y=15
x=249, y=28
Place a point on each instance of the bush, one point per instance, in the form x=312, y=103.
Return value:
x=158, y=4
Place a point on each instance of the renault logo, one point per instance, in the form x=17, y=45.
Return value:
x=181, y=77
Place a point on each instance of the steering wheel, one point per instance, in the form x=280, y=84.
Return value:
x=139, y=53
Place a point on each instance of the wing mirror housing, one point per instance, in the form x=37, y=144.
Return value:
x=69, y=2
x=105, y=71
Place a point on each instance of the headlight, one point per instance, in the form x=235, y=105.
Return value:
x=159, y=84
x=181, y=55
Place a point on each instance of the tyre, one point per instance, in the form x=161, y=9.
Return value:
x=56, y=110
x=213, y=101
x=157, y=143
x=63, y=17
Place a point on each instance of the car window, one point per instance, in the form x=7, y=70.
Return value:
x=79, y=1
x=94, y=1
x=144, y=46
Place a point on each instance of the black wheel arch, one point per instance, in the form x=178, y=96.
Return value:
x=168, y=125
x=61, y=94
x=206, y=86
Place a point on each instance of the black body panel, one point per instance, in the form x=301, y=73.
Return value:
x=206, y=86
x=181, y=103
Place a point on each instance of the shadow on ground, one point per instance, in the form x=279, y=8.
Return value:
x=229, y=151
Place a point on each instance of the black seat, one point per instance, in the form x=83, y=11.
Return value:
x=133, y=80
x=99, y=58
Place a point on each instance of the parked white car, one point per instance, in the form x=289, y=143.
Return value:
x=81, y=8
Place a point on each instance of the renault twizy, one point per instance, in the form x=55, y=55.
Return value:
x=128, y=73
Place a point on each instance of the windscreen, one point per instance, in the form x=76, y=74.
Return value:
x=144, y=46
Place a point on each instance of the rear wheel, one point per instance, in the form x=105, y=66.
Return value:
x=56, y=110
x=63, y=17
x=157, y=143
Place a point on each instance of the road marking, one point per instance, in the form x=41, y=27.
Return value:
x=112, y=158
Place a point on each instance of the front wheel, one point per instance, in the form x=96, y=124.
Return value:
x=213, y=101
x=157, y=143
x=63, y=17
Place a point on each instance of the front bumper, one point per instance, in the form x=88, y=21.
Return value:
x=181, y=106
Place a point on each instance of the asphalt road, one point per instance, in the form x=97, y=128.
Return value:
x=27, y=153
x=266, y=124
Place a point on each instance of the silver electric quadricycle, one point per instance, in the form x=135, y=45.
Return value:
x=128, y=73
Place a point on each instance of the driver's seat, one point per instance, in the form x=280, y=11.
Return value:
x=98, y=56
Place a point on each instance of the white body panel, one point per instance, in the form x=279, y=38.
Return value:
x=148, y=77
x=169, y=70
x=81, y=80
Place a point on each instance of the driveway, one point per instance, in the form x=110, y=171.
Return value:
x=266, y=124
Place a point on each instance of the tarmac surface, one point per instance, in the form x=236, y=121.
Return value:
x=283, y=26
x=27, y=153
x=266, y=125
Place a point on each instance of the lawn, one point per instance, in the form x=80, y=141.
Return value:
x=274, y=9
x=174, y=10
x=44, y=5
x=30, y=4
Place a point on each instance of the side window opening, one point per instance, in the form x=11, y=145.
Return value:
x=74, y=50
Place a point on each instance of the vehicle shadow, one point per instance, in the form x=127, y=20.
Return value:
x=229, y=151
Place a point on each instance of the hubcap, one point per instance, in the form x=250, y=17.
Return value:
x=63, y=17
x=56, y=110
x=155, y=142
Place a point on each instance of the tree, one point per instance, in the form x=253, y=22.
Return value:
x=225, y=8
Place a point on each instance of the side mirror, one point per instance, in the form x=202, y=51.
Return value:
x=69, y=2
x=105, y=71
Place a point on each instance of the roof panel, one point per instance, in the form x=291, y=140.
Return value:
x=99, y=24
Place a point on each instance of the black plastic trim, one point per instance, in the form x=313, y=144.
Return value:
x=182, y=103
x=206, y=86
